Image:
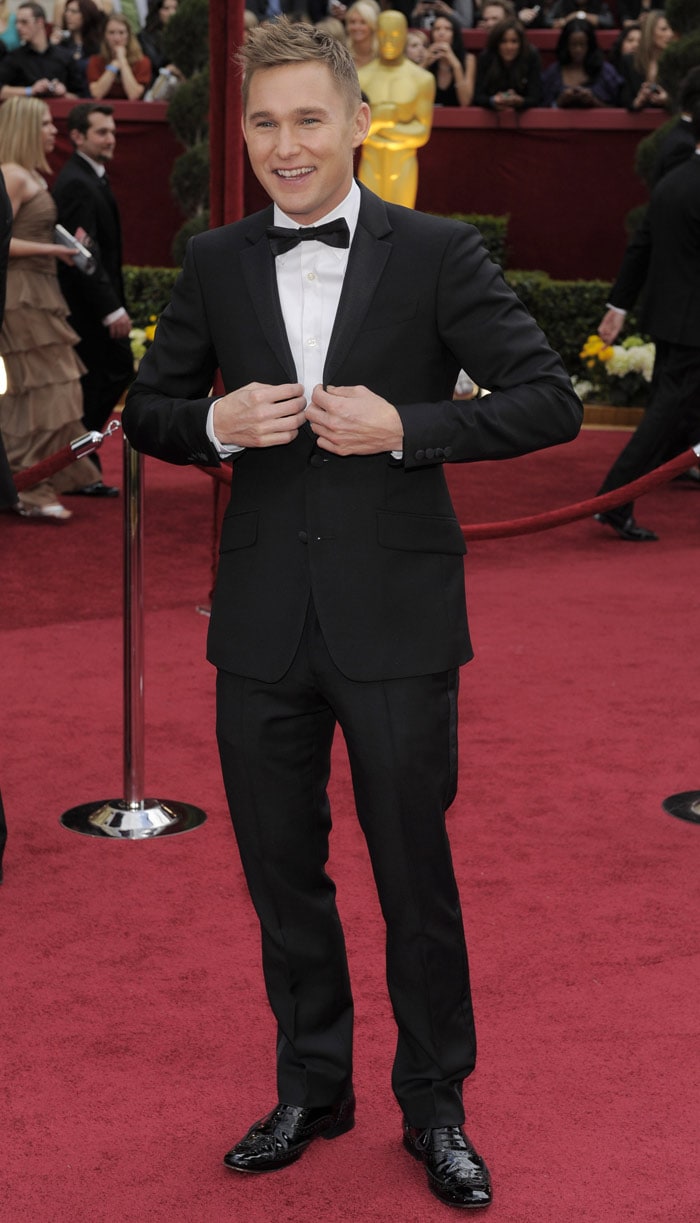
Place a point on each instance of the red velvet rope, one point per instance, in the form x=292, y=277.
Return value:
x=552, y=518
x=79, y=448
x=42, y=471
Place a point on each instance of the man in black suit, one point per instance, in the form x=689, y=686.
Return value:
x=86, y=206
x=663, y=257
x=340, y=592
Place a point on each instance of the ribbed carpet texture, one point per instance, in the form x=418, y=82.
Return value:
x=137, y=1046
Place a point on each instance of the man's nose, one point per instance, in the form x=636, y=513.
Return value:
x=287, y=141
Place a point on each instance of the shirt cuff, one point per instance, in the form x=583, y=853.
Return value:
x=112, y=318
x=225, y=450
x=617, y=309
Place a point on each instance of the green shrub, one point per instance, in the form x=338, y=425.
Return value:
x=189, y=179
x=147, y=292
x=567, y=310
x=195, y=225
x=186, y=36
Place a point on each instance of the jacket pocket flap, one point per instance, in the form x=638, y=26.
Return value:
x=419, y=533
x=239, y=531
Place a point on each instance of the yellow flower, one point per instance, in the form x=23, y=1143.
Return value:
x=150, y=331
x=605, y=353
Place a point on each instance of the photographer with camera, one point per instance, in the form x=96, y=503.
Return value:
x=37, y=69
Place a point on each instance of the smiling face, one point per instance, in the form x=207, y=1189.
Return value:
x=301, y=131
x=358, y=30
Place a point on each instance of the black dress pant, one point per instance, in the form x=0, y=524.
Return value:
x=275, y=744
x=670, y=423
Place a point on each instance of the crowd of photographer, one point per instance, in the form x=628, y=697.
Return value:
x=89, y=49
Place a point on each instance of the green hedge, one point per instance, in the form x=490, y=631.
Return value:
x=147, y=292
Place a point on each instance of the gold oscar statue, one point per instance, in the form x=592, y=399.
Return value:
x=401, y=96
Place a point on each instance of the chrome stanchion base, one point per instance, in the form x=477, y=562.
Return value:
x=685, y=806
x=153, y=817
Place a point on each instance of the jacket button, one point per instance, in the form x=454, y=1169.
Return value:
x=420, y=454
x=430, y=454
x=302, y=537
x=447, y=452
x=317, y=460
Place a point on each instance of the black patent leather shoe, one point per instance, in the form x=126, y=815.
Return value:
x=629, y=529
x=281, y=1137
x=98, y=489
x=457, y=1175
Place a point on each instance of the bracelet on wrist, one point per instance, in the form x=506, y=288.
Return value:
x=114, y=68
x=28, y=91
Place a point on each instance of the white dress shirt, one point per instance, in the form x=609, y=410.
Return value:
x=309, y=282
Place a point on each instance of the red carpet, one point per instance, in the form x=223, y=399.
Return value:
x=137, y=1046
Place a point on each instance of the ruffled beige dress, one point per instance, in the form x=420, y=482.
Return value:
x=43, y=407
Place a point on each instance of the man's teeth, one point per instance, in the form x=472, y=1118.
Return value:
x=294, y=173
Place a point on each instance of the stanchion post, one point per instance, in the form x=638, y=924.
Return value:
x=134, y=721
x=133, y=817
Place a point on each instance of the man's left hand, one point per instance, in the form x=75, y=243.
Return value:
x=353, y=420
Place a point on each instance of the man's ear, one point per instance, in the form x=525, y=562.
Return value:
x=362, y=122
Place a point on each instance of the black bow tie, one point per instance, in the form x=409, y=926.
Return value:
x=333, y=233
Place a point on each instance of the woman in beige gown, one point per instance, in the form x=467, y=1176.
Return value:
x=42, y=409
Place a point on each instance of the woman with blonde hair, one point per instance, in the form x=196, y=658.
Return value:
x=42, y=409
x=121, y=70
x=640, y=70
x=361, y=30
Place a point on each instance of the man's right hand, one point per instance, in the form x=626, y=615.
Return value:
x=260, y=415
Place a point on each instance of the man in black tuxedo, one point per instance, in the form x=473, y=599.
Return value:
x=663, y=257
x=340, y=592
x=98, y=312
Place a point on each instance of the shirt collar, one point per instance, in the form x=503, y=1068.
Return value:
x=348, y=208
x=97, y=166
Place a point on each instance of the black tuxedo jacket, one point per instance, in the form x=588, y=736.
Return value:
x=374, y=539
x=81, y=199
x=664, y=258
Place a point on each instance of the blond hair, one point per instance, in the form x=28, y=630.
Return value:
x=283, y=42
x=21, y=140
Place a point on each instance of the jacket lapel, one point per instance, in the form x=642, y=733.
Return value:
x=368, y=257
x=258, y=267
